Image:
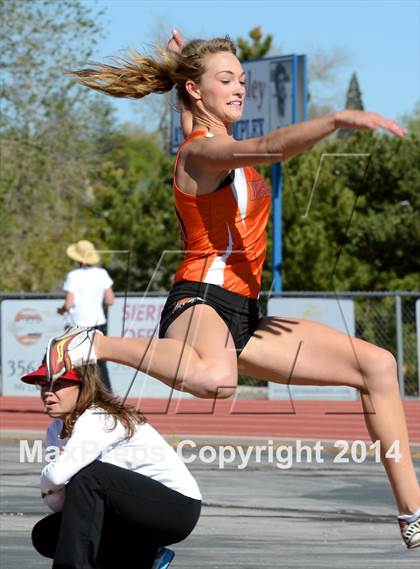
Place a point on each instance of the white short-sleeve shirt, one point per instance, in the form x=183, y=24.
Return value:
x=88, y=285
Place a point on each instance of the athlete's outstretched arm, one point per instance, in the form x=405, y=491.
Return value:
x=223, y=153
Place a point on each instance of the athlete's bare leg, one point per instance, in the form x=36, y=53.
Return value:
x=320, y=355
x=197, y=354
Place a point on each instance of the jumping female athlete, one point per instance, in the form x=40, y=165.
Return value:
x=210, y=327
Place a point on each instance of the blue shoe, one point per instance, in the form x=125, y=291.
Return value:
x=163, y=559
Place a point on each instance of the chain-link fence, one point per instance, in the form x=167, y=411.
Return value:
x=388, y=320
x=385, y=319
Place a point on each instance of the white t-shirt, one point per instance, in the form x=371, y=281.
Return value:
x=146, y=452
x=88, y=284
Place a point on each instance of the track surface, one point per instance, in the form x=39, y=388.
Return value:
x=310, y=516
x=245, y=418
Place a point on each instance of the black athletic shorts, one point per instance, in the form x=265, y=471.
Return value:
x=240, y=313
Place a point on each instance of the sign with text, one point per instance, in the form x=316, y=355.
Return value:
x=275, y=97
x=26, y=327
x=338, y=314
x=137, y=317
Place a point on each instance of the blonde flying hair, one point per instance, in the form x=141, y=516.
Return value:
x=140, y=75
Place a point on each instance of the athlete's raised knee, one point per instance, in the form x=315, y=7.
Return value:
x=381, y=370
x=212, y=383
x=217, y=388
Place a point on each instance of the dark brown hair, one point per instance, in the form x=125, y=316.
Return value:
x=139, y=75
x=94, y=394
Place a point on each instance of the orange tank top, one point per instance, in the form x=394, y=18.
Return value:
x=224, y=231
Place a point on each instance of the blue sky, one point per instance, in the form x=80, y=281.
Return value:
x=380, y=37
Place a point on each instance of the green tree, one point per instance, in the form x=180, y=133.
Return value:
x=258, y=47
x=411, y=121
x=49, y=127
x=364, y=207
x=353, y=101
x=133, y=211
x=39, y=39
x=354, y=95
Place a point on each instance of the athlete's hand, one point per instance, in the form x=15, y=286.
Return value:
x=176, y=43
x=366, y=121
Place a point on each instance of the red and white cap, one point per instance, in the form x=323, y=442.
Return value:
x=42, y=374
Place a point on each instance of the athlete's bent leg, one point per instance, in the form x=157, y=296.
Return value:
x=308, y=353
x=197, y=354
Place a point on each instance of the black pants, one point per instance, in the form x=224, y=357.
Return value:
x=113, y=518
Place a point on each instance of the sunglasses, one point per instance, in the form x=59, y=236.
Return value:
x=43, y=385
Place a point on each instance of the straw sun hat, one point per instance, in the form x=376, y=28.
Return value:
x=83, y=252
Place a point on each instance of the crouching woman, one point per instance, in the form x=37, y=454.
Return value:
x=118, y=491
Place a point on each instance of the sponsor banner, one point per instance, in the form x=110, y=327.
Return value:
x=26, y=327
x=338, y=314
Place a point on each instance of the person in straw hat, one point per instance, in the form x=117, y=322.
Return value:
x=87, y=288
